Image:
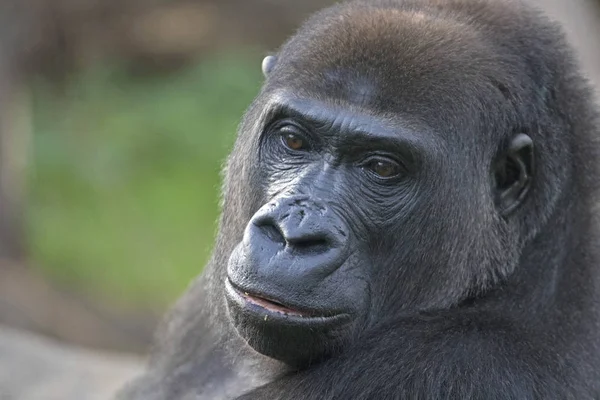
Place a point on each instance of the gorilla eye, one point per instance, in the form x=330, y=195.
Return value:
x=294, y=141
x=384, y=168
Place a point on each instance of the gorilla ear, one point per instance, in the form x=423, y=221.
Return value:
x=268, y=64
x=513, y=174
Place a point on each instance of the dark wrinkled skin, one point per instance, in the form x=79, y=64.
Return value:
x=415, y=187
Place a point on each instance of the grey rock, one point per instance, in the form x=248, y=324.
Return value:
x=33, y=367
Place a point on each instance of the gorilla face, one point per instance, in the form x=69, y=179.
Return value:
x=377, y=200
x=298, y=283
x=338, y=245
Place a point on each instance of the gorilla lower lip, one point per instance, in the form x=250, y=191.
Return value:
x=255, y=308
x=271, y=305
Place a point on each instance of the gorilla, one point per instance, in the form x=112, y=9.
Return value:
x=408, y=213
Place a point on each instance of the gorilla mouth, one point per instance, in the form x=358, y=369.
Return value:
x=268, y=304
x=271, y=305
x=295, y=335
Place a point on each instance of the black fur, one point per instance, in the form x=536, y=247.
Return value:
x=474, y=276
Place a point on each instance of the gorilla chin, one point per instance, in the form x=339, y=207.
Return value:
x=297, y=338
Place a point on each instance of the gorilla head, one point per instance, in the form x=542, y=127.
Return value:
x=390, y=156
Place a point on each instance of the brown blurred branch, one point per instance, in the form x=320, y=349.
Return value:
x=30, y=302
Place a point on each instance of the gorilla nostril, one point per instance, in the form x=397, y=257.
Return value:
x=273, y=233
x=316, y=244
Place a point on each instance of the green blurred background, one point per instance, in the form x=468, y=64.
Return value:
x=124, y=177
x=115, y=119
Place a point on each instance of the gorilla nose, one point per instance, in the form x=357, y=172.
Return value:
x=296, y=238
x=302, y=225
x=299, y=231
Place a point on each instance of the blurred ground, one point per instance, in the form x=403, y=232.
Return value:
x=35, y=368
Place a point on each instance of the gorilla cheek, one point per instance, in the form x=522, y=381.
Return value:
x=238, y=261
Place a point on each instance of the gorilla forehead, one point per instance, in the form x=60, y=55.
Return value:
x=393, y=57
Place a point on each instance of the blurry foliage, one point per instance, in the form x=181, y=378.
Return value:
x=124, y=179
